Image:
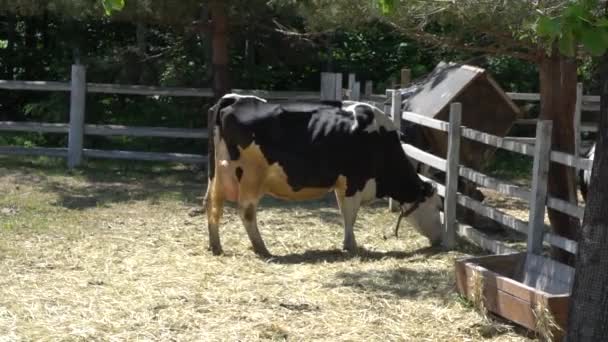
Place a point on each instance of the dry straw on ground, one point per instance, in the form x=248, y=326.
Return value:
x=114, y=256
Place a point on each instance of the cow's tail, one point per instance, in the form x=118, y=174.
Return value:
x=211, y=122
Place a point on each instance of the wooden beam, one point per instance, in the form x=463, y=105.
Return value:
x=540, y=175
x=453, y=161
x=424, y=157
x=396, y=117
x=497, y=141
x=494, y=214
x=77, y=111
x=426, y=121
x=146, y=156
x=161, y=132
x=34, y=151
x=37, y=127
x=503, y=187
x=480, y=239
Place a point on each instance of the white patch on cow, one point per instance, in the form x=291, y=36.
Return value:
x=381, y=120
x=349, y=208
x=368, y=194
x=426, y=219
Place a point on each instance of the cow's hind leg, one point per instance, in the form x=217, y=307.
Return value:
x=249, y=196
x=349, y=206
x=214, y=202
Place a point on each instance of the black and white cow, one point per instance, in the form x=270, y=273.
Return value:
x=584, y=176
x=301, y=151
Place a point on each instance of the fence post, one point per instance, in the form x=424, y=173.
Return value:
x=78, y=94
x=577, y=121
x=351, y=85
x=396, y=116
x=369, y=88
x=451, y=185
x=406, y=77
x=540, y=174
x=328, y=86
x=338, y=87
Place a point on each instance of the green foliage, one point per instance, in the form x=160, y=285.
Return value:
x=577, y=23
x=112, y=5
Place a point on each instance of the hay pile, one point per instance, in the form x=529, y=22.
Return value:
x=120, y=259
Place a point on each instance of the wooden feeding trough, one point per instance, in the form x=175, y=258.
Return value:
x=527, y=288
x=536, y=299
x=487, y=108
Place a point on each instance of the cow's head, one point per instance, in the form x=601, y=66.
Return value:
x=424, y=214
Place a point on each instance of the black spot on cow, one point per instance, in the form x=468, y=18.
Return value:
x=239, y=173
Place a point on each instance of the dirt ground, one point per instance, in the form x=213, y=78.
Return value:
x=118, y=253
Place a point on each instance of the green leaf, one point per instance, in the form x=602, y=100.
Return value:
x=566, y=43
x=112, y=5
x=387, y=6
x=595, y=40
x=547, y=27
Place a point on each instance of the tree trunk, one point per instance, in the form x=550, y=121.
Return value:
x=589, y=304
x=558, y=100
x=219, y=46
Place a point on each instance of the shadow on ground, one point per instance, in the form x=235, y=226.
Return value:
x=336, y=255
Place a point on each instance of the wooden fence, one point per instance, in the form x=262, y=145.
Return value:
x=77, y=129
x=536, y=196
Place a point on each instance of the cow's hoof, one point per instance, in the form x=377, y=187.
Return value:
x=352, y=250
x=265, y=254
x=216, y=250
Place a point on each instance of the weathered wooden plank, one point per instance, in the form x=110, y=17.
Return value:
x=524, y=96
x=396, y=117
x=591, y=98
x=497, y=141
x=503, y=187
x=565, y=207
x=424, y=157
x=406, y=77
x=577, y=119
x=35, y=85
x=161, y=132
x=570, y=160
x=480, y=239
x=453, y=161
x=280, y=95
x=77, y=111
x=146, y=156
x=34, y=151
x=107, y=88
x=37, y=127
x=425, y=121
x=328, y=86
x=548, y=275
x=522, y=140
x=588, y=127
x=540, y=174
x=494, y=214
x=561, y=242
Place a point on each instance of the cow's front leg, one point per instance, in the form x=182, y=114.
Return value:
x=349, y=206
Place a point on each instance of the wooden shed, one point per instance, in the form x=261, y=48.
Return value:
x=485, y=107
